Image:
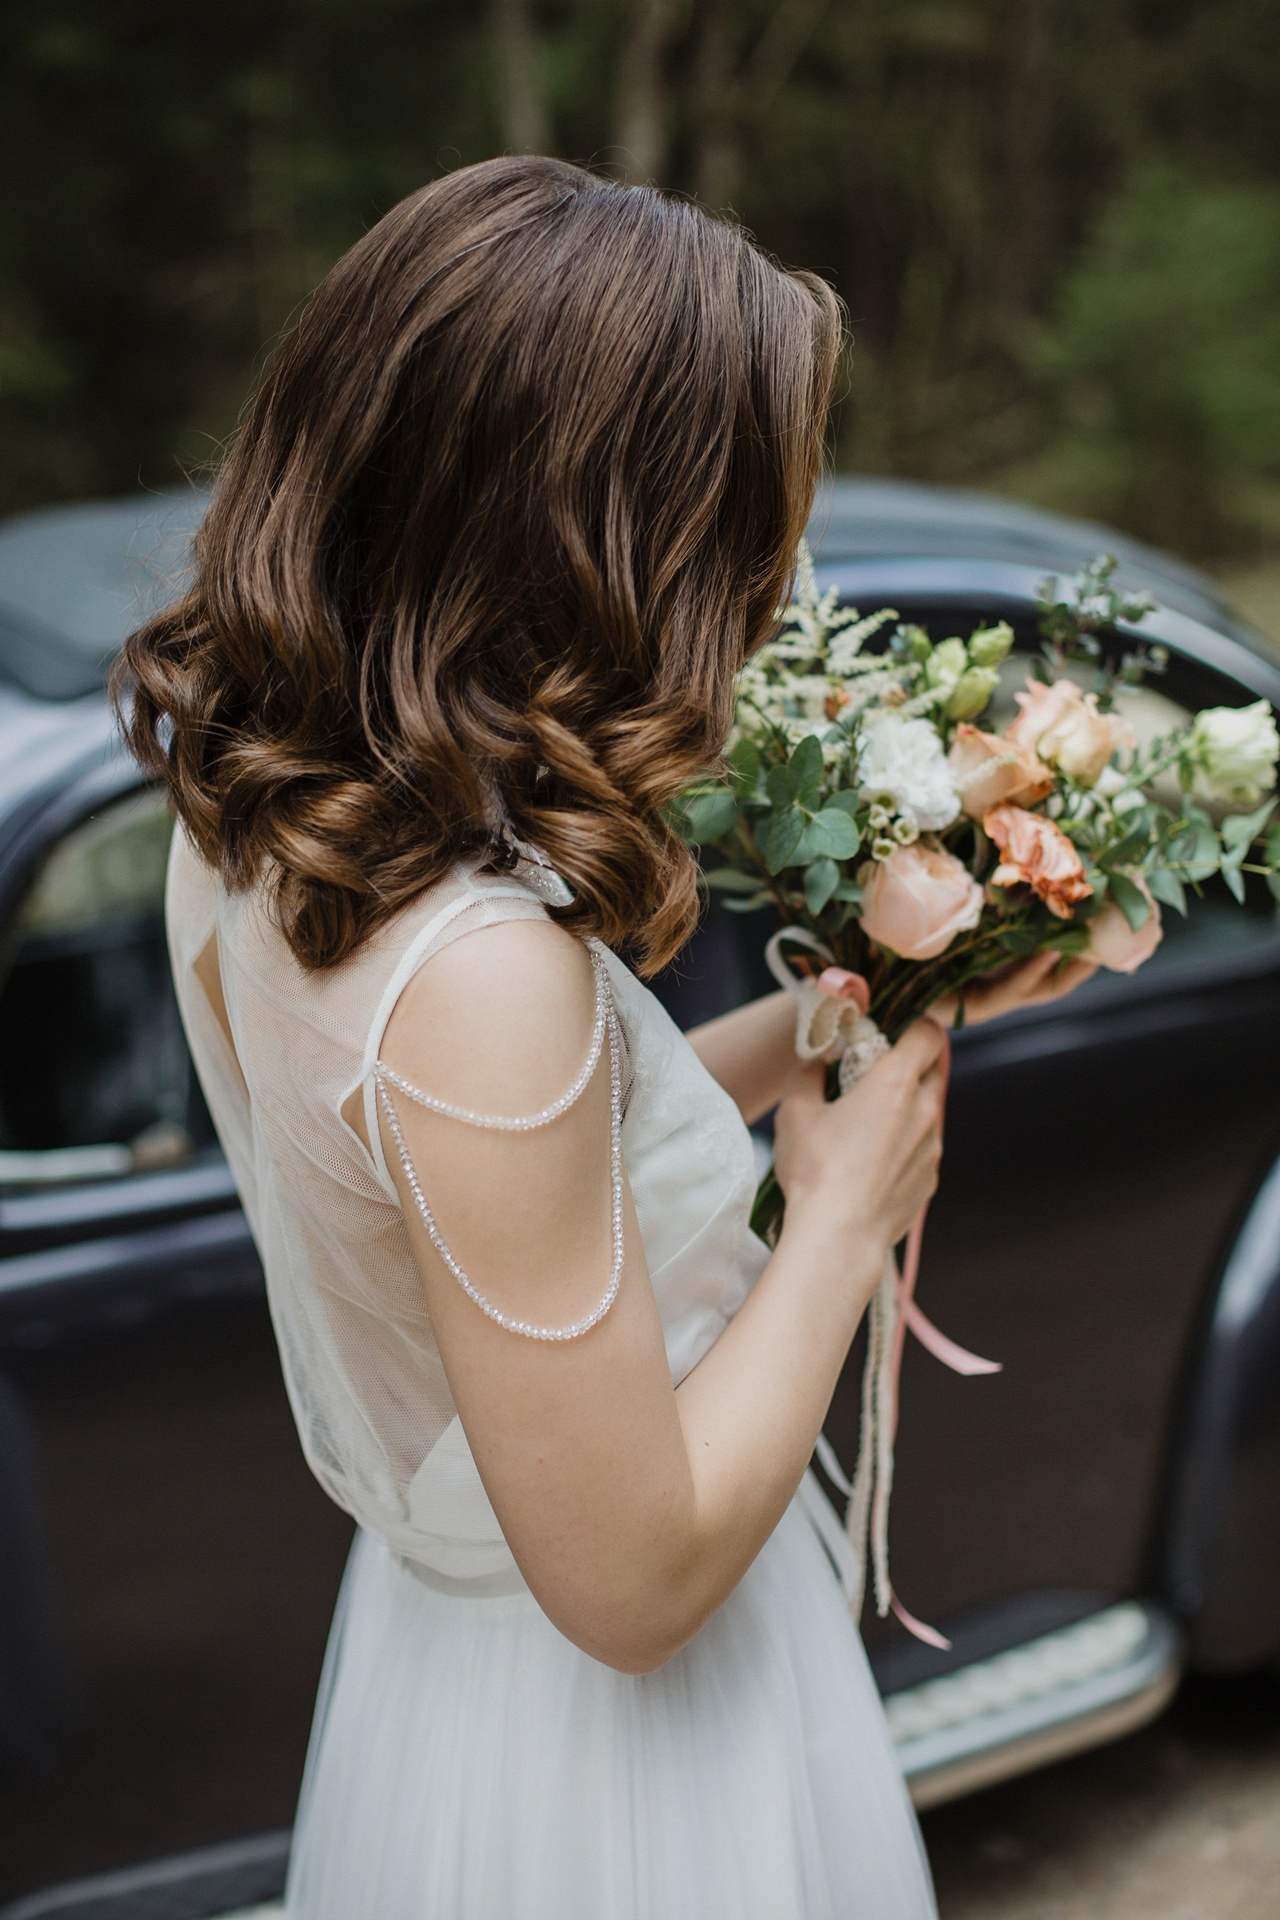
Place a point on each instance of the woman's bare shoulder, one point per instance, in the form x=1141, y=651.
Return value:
x=499, y=1020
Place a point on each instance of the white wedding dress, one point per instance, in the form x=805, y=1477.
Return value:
x=468, y=1762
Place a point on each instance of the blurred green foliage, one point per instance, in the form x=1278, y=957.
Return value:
x=1056, y=223
x=1162, y=352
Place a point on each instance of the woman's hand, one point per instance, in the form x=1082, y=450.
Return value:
x=864, y=1165
x=1027, y=983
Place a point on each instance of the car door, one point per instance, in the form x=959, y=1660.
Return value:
x=168, y=1566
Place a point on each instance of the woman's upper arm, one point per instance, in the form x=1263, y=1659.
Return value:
x=577, y=1441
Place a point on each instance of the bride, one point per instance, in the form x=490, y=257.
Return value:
x=519, y=494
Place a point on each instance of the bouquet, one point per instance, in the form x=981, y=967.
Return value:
x=908, y=851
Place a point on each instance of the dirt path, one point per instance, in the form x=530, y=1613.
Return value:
x=1180, y=1822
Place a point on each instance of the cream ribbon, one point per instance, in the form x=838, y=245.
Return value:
x=832, y=1023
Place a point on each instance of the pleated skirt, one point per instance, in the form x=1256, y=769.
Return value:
x=468, y=1762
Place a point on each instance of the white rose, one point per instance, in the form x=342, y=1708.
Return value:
x=1231, y=753
x=904, y=758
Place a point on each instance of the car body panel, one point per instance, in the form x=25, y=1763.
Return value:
x=1221, y=1532
x=1103, y=1157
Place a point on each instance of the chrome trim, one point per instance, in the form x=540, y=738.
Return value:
x=1059, y=1694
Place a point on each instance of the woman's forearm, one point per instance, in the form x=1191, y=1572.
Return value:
x=752, y=1410
x=856, y=1171
x=751, y=1052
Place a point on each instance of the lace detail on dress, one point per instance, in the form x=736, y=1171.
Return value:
x=606, y=1021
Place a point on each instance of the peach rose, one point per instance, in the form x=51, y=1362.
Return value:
x=987, y=770
x=1036, y=854
x=1114, y=943
x=918, y=900
x=1063, y=726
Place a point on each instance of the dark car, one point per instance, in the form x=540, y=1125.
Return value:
x=1086, y=1524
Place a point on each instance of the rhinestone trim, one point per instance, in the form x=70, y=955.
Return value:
x=606, y=1022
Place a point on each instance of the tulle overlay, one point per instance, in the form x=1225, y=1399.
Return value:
x=469, y=1763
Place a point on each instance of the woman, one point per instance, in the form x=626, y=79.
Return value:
x=521, y=491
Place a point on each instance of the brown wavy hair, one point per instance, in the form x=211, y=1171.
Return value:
x=519, y=493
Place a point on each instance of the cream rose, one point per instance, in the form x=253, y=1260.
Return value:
x=1064, y=728
x=1231, y=753
x=918, y=900
x=987, y=770
x=1113, y=943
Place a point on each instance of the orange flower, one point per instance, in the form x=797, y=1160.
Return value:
x=1036, y=854
x=988, y=770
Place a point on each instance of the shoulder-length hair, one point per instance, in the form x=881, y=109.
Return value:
x=517, y=497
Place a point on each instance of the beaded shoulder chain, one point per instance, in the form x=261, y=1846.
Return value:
x=606, y=1022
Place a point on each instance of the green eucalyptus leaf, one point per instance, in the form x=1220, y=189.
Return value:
x=710, y=814
x=780, y=785
x=1168, y=889
x=779, y=838
x=1072, y=940
x=805, y=768
x=849, y=891
x=832, y=832
x=821, y=879
x=1130, y=849
x=744, y=760
x=1131, y=900
x=1020, y=941
x=1235, y=880
x=1242, y=829
x=738, y=904
x=1193, y=847
x=849, y=803
x=731, y=880
x=1273, y=881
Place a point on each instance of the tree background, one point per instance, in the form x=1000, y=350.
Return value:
x=1055, y=223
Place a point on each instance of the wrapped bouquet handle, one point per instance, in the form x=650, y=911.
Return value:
x=833, y=1023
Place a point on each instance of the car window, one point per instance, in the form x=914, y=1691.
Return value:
x=95, y=1078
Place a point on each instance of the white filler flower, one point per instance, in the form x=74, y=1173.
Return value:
x=1231, y=753
x=904, y=758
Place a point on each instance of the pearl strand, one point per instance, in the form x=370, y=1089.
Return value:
x=524, y=1327
x=522, y=1123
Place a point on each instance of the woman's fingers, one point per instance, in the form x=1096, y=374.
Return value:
x=923, y=1046
x=810, y=1084
x=1073, y=975
x=1032, y=983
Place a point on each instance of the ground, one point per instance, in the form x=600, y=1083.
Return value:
x=1179, y=1822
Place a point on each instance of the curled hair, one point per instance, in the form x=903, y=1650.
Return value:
x=518, y=495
